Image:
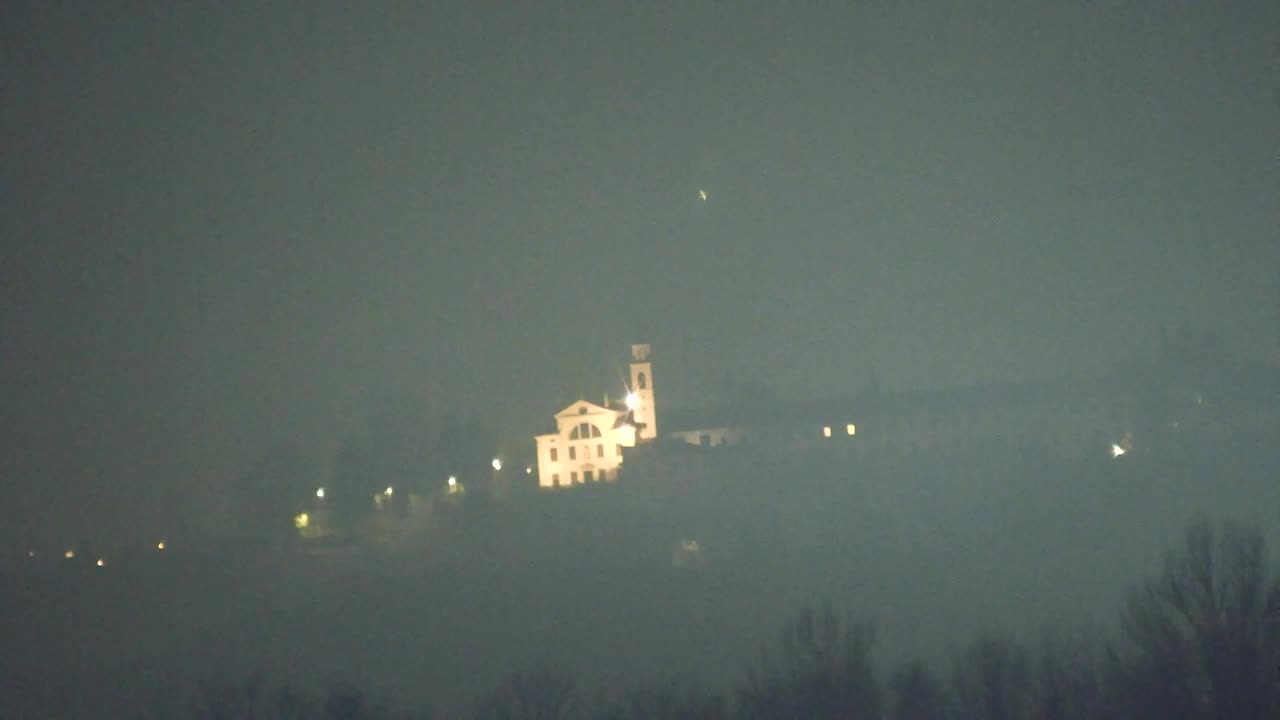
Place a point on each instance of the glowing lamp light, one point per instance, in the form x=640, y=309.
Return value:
x=633, y=401
x=69, y=554
x=453, y=481
x=1116, y=450
x=851, y=429
x=160, y=545
x=390, y=490
x=320, y=493
x=528, y=469
x=496, y=464
x=301, y=521
x=101, y=562
x=826, y=431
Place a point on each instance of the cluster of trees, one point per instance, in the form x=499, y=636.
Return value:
x=1199, y=640
x=399, y=447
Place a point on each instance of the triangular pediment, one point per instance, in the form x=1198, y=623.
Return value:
x=582, y=408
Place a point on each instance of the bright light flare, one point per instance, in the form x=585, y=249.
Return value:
x=101, y=562
x=633, y=401
x=453, y=481
x=320, y=493
x=389, y=491
x=1116, y=450
x=160, y=545
x=496, y=464
x=528, y=469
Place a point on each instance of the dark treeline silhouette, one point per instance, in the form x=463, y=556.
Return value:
x=1199, y=640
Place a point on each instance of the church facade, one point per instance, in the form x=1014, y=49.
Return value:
x=589, y=439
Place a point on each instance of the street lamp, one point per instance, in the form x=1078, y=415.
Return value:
x=496, y=464
x=320, y=493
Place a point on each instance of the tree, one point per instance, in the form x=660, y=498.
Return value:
x=917, y=694
x=992, y=681
x=1204, y=636
x=822, y=670
x=536, y=695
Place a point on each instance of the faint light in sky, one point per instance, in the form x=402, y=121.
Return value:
x=160, y=545
x=101, y=562
x=702, y=195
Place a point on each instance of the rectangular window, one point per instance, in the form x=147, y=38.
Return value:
x=587, y=476
x=619, y=450
x=600, y=450
x=573, y=476
x=573, y=453
x=553, y=455
x=851, y=429
x=705, y=439
x=555, y=479
x=826, y=431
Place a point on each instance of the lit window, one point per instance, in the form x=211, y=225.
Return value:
x=600, y=450
x=553, y=455
x=851, y=429
x=826, y=431
x=573, y=453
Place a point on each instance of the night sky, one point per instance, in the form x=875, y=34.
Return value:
x=228, y=225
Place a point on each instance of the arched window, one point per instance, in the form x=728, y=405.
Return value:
x=642, y=382
x=583, y=431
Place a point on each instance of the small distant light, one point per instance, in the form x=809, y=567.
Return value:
x=528, y=469
x=453, y=481
x=633, y=401
x=100, y=562
x=69, y=554
x=1116, y=450
x=160, y=545
x=496, y=464
x=702, y=195
x=826, y=431
x=320, y=493
x=390, y=490
x=31, y=553
x=851, y=429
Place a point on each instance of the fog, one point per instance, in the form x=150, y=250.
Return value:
x=445, y=359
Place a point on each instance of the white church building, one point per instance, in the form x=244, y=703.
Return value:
x=587, y=444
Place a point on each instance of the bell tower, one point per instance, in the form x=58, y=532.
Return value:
x=640, y=400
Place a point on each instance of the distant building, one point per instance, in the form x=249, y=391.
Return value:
x=1165, y=403
x=587, y=444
